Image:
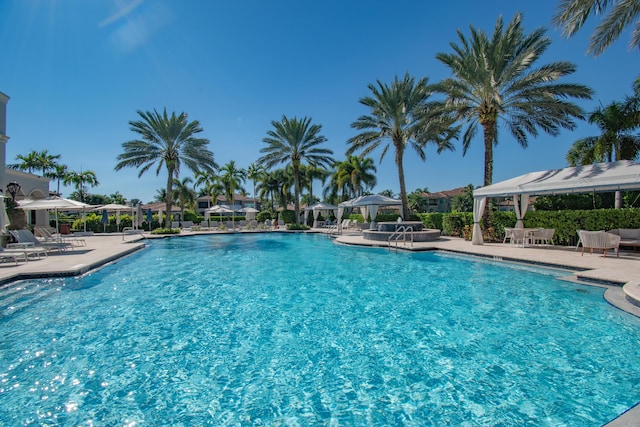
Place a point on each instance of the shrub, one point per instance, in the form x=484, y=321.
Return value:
x=166, y=231
x=297, y=227
x=287, y=217
x=263, y=216
x=453, y=224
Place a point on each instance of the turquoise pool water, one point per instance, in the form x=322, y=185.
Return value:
x=293, y=330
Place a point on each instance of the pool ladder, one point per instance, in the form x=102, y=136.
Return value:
x=401, y=233
x=131, y=230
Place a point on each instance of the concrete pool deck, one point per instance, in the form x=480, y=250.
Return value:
x=610, y=272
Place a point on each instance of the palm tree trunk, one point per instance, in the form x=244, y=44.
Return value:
x=296, y=190
x=489, y=131
x=403, y=188
x=169, y=198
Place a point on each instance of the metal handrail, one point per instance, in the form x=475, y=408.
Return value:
x=137, y=231
x=401, y=232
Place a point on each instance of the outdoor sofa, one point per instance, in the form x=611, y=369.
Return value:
x=628, y=236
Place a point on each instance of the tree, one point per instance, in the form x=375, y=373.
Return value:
x=210, y=185
x=417, y=201
x=400, y=116
x=572, y=14
x=58, y=173
x=46, y=162
x=255, y=173
x=161, y=195
x=463, y=202
x=28, y=162
x=80, y=180
x=185, y=194
x=117, y=198
x=293, y=142
x=494, y=79
x=353, y=176
x=616, y=142
x=169, y=142
x=388, y=193
x=232, y=178
x=309, y=173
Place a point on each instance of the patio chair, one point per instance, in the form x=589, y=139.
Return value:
x=26, y=238
x=50, y=237
x=599, y=240
x=543, y=236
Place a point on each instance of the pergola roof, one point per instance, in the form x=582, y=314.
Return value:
x=598, y=177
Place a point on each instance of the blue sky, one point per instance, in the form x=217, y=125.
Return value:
x=77, y=72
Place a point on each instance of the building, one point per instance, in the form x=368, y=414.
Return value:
x=441, y=200
x=28, y=185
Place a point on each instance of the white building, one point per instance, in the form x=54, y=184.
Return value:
x=31, y=186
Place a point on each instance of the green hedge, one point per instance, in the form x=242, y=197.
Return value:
x=565, y=223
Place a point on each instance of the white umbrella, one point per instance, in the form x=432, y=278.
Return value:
x=55, y=203
x=251, y=212
x=218, y=209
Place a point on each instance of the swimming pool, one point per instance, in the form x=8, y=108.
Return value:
x=273, y=329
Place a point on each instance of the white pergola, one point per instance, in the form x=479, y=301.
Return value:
x=598, y=177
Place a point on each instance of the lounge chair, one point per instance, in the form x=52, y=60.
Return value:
x=25, y=238
x=50, y=237
x=13, y=254
x=175, y=224
x=599, y=240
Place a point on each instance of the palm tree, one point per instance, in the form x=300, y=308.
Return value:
x=58, y=173
x=572, y=14
x=161, y=195
x=28, y=162
x=358, y=174
x=294, y=141
x=168, y=141
x=400, y=116
x=210, y=185
x=255, y=173
x=616, y=142
x=268, y=188
x=494, y=79
x=80, y=180
x=46, y=161
x=232, y=178
x=185, y=194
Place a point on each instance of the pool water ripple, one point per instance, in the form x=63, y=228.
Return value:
x=293, y=330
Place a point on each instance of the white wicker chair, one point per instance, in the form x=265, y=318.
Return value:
x=599, y=240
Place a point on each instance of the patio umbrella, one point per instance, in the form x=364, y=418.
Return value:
x=105, y=220
x=251, y=212
x=149, y=218
x=218, y=209
x=52, y=203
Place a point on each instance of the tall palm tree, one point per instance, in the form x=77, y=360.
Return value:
x=232, y=178
x=308, y=174
x=572, y=14
x=168, y=141
x=81, y=180
x=184, y=193
x=616, y=142
x=293, y=142
x=255, y=173
x=494, y=79
x=269, y=187
x=400, y=116
x=58, y=173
